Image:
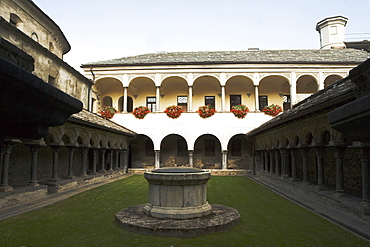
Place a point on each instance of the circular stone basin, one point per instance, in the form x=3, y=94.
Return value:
x=177, y=193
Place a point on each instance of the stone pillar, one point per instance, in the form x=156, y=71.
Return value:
x=190, y=99
x=191, y=158
x=271, y=154
x=365, y=161
x=256, y=99
x=71, y=151
x=224, y=160
x=55, y=177
x=293, y=89
x=125, y=160
x=320, y=169
x=157, y=159
x=304, y=153
x=116, y=162
x=157, y=99
x=284, y=162
x=266, y=161
x=84, y=161
x=293, y=154
x=94, y=161
x=102, y=151
x=277, y=162
x=33, y=174
x=125, y=99
x=223, y=101
x=4, y=186
x=111, y=160
x=339, y=154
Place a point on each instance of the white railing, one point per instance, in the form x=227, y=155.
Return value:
x=357, y=37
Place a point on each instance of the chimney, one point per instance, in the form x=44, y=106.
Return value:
x=332, y=32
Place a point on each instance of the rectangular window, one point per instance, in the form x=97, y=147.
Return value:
x=183, y=102
x=151, y=103
x=286, y=102
x=210, y=100
x=263, y=101
x=210, y=148
x=236, y=147
x=235, y=100
x=181, y=148
x=149, y=148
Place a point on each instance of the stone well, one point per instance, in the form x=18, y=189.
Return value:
x=177, y=193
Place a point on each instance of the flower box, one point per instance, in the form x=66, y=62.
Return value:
x=107, y=112
x=174, y=111
x=272, y=110
x=206, y=111
x=140, y=112
x=240, y=111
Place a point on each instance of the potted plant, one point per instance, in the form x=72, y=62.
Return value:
x=206, y=111
x=107, y=112
x=240, y=111
x=140, y=112
x=173, y=111
x=272, y=110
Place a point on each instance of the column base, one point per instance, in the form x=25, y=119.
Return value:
x=6, y=188
x=321, y=187
x=295, y=180
x=340, y=194
x=71, y=177
x=53, y=180
x=103, y=171
x=306, y=183
x=33, y=183
x=284, y=176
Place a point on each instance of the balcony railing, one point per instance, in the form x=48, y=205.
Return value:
x=352, y=37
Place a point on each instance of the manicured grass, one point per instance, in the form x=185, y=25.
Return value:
x=87, y=219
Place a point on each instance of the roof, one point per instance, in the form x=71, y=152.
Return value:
x=331, y=56
x=93, y=120
x=325, y=100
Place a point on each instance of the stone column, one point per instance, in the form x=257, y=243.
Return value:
x=339, y=155
x=94, y=161
x=4, y=186
x=277, y=162
x=125, y=99
x=224, y=160
x=190, y=99
x=116, y=162
x=266, y=161
x=320, y=169
x=256, y=99
x=55, y=177
x=284, y=162
x=111, y=160
x=191, y=158
x=157, y=99
x=304, y=153
x=71, y=151
x=223, y=102
x=365, y=161
x=271, y=154
x=102, y=151
x=125, y=160
x=33, y=174
x=84, y=161
x=157, y=159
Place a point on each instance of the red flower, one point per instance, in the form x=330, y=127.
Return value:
x=272, y=110
x=174, y=111
x=240, y=111
x=140, y=112
x=107, y=112
x=206, y=111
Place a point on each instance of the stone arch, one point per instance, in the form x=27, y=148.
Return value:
x=173, y=87
x=83, y=139
x=140, y=88
x=94, y=140
x=141, y=152
x=272, y=89
x=207, y=152
x=108, y=87
x=306, y=85
x=331, y=79
x=207, y=86
x=174, y=151
x=240, y=152
x=55, y=136
x=239, y=89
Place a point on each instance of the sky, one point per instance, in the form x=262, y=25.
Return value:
x=103, y=30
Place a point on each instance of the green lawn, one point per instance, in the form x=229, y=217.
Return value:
x=87, y=219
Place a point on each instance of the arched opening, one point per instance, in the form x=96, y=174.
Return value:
x=174, y=151
x=207, y=91
x=16, y=21
x=143, y=92
x=331, y=79
x=141, y=152
x=207, y=152
x=129, y=104
x=240, y=153
x=107, y=101
x=274, y=90
x=239, y=90
x=174, y=91
x=306, y=85
x=109, y=87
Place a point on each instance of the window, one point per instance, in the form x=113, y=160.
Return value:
x=15, y=21
x=209, y=100
x=149, y=148
x=236, y=147
x=183, y=102
x=181, y=148
x=235, y=100
x=263, y=101
x=151, y=103
x=210, y=147
x=51, y=80
x=286, y=102
x=35, y=37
